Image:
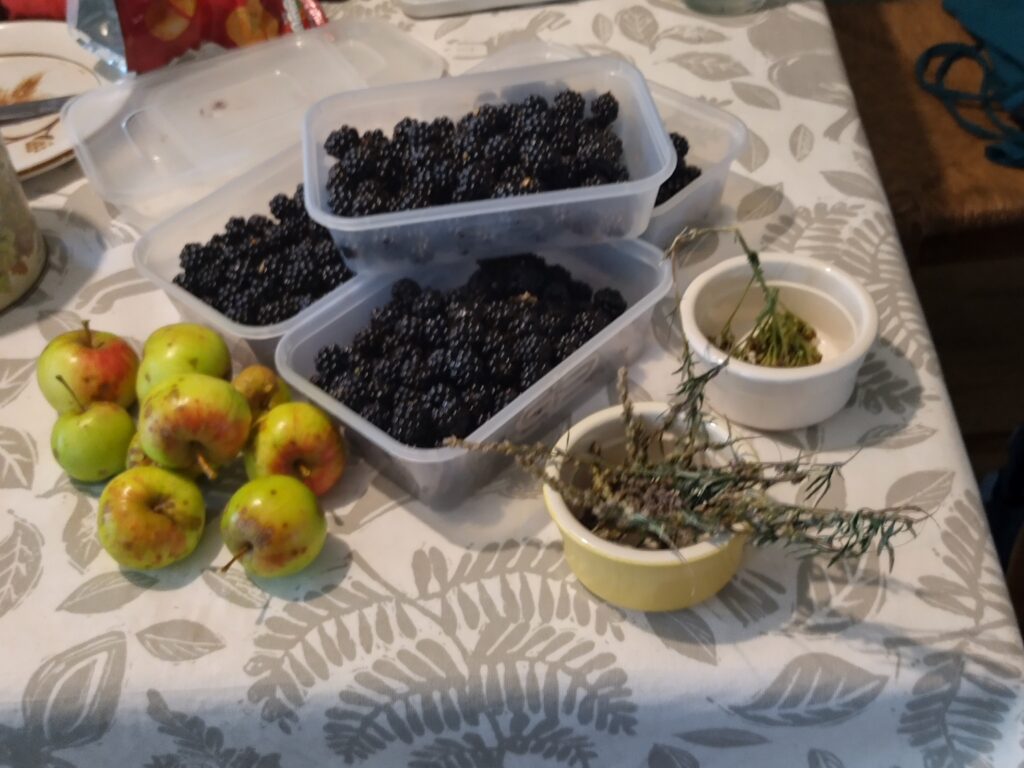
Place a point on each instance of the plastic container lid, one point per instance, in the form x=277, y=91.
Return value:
x=154, y=142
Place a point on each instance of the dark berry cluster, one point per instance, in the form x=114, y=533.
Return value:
x=498, y=150
x=259, y=271
x=432, y=365
x=683, y=173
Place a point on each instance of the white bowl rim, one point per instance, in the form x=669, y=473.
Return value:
x=570, y=526
x=864, y=333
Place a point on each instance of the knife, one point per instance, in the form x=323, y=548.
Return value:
x=26, y=110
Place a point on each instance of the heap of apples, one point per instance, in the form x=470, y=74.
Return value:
x=192, y=421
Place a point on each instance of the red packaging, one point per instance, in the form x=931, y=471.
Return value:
x=158, y=31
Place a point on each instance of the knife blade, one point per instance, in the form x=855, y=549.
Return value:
x=26, y=110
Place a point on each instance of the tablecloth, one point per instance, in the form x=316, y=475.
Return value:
x=460, y=638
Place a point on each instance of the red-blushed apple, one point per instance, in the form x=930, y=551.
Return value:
x=137, y=458
x=297, y=439
x=97, y=366
x=150, y=518
x=273, y=526
x=181, y=348
x=261, y=388
x=193, y=418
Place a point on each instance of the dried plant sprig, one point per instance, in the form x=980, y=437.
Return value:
x=779, y=338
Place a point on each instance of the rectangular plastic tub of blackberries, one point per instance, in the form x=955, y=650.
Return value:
x=156, y=254
x=716, y=140
x=561, y=218
x=443, y=477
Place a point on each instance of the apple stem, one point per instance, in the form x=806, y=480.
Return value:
x=244, y=550
x=88, y=333
x=303, y=469
x=205, y=466
x=70, y=391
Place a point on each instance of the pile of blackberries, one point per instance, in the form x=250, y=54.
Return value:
x=683, y=173
x=498, y=150
x=432, y=365
x=259, y=271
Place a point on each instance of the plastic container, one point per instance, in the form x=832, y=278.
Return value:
x=429, y=9
x=444, y=476
x=716, y=140
x=152, y=144
x=156, y=253
x=563, y=218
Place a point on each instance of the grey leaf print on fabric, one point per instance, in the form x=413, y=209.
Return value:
x=801, y=142
x=197, y=744
x=814, y=689
x=692, y=35
x=79, y=536
x=755, y=153
x=686, y=633
x=448, y=26
x=236, y=588
x=638, y=24
x=99, y=297
x=817, y=231
x=762, y=202
x=547, y=19
x=69, y=702
x=667, y=756
x=926, y=489
x=820, y=758
x=819, y=76
x=53, y=323
x=879, y=389
x=21, y=563
x=17, y=458
x=785, y=32
x=14, y=375
x=696, y=251
x=895, y=436
x=603, y=28
x=756, y=95
x=179, y=640
x=853, y=184
x=723, y=738
x=107, y=592
x=665, y=325
x=751, y=596
x=834, y=598
x=710, y=66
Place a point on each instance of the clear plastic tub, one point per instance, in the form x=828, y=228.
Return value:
x=153, y=144
x=716, y=140
x=561, y=219
x=443, y=477
x=156, y=253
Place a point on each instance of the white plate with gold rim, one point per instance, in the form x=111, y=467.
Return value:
x=39, y=60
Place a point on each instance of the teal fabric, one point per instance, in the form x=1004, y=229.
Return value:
x=998, y=28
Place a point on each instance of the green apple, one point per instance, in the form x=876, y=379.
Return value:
x=137, y=458
x=262, y=389
x=193, y=418
x=98, y=367
x=91, y=446
x=149, y=518
x=273, y=526
x=181, y=348
x=297, y=439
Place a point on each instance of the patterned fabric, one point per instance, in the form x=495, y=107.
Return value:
x=460, y=639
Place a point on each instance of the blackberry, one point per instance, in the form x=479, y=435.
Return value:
x=604, y=110
x=475, y=182
x=369, y=199
x=580, y=292
x=284, y=207
x=451, y=418
x=387, y=372
x=466, y=334
x=374, y=140
x=527, y=124
x=554, y=323
x=409, y=330
x=588, y=323
x=507, y=189
x=428, y=304
x=410, y=423
x=368, y=342
x=377, y=414
x=535, y=104
x=533, y=348
x=609, y=301
x=349, y=391
x=500, y=151
x=682, y=146
x=502, y=396
x=464, y=367
x=504, y=366
x=568, y=343
x=341, y=141
x=531, y=374
x=411, y=132
x=537, y=156
x=435, y=368
x=479, y=403
x=412, y=372
x=571, y=104
x=357, y=164
x=405, y=290
x=340, y=200
x=260, y=225
x=441, y=129
x=435, y=332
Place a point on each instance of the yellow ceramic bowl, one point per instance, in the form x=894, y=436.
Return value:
x=631, y=578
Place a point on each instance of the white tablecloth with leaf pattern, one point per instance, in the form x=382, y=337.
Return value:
x=460, y=639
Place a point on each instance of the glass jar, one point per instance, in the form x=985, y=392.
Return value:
x=22, y=249
x=726, y=7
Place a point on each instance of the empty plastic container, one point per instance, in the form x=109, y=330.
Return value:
x=156, y=253
x=562, y=218
x=153, y=144
x=443, y=477
x=716, y=139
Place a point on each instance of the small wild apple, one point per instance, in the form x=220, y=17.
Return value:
x=98, y=367
x=297, y=439
x=181, y=348
x=262, y=389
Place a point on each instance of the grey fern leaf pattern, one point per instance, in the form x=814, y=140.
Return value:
x=723, y=738
x=14, y=375
x=79, y=535
x=669, y=756
x=21, y=563
x=198, y=744
x=751, y=596
x=822, y=758
x=17, y=458
x=686, y=633
x=834, y=598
